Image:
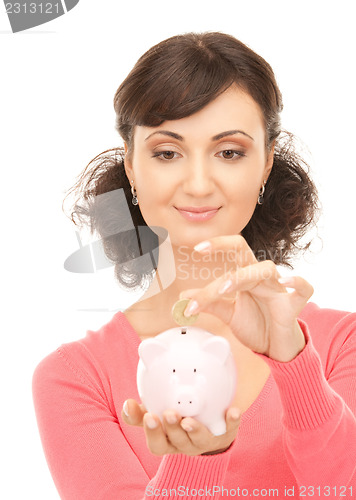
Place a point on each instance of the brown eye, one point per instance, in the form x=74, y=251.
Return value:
x=165, y=155
x=168, y=155
x=228, y=154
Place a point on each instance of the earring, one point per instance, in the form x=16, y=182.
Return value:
x=134, y=194
x=261, y=193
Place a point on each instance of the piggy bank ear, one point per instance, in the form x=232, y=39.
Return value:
x=219, y=347
x=149, y=350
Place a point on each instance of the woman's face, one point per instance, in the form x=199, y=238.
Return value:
x=200, y=176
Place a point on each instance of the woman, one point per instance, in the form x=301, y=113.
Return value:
x=210, y=181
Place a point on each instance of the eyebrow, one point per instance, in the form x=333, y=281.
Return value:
x=215, y=138
x=166, y=132
x=231, y=132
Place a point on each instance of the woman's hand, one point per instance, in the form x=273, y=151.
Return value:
x=253, y=301
x=177, y=435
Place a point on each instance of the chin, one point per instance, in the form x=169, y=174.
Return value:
x=192, y=237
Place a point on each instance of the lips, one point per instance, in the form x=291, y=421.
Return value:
x=198, y=214
x=198, y=209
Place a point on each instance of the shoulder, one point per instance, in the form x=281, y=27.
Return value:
x=332, y=331
x=325, y=322
x=93, y=360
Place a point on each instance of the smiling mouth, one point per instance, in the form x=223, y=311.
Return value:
x=198, y=214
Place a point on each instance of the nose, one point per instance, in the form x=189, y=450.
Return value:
x=198, y=178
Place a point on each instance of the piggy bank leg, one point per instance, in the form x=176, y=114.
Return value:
x=217, y=428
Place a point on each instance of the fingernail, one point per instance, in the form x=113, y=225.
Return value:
x=150, y=422
x=285, y=280
x=186, y=427
x=203, y=246
x=125, y=409
x=171, y=418
x=225, y=287
x=235, y=413
x=191, y=308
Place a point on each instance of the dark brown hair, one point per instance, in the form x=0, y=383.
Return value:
x=173, y=80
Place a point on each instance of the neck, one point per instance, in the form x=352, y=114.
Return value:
x=181, y=268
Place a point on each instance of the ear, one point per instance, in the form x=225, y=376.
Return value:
x=149, y=350
x=128, y=163
x=219, y=347
x=269, y=161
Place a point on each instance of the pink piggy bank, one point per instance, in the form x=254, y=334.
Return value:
x=189, y=370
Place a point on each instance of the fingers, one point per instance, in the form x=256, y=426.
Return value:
x=236, y=244
x=177, y=433
x=200, y=438
x=219, y=297
x=204, y=441
x=187, y=435
x=300, y=285
x=243, y=279
x=169, y=437
x=156, y=437
x=133, y=412
x=233, y=416
x=302, y=290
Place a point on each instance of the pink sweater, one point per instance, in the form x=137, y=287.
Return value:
x=298, y=439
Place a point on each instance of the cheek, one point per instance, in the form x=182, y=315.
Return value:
x=152, y=192
x=243, y=195
x=244, y=189
x=247, y=182
x=152, y=197
x=243, y=206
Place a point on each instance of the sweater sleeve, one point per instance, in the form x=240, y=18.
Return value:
x=87, y=453
x=319, y=424
x=190, y=477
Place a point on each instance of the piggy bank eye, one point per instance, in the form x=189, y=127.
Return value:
x=174, y=370
x=195, y=370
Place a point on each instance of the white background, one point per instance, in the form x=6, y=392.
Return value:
x=57, y=85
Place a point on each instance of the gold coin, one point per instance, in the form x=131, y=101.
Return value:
x=178, y=313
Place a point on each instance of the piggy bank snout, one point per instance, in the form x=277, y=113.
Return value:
x=186, y=400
